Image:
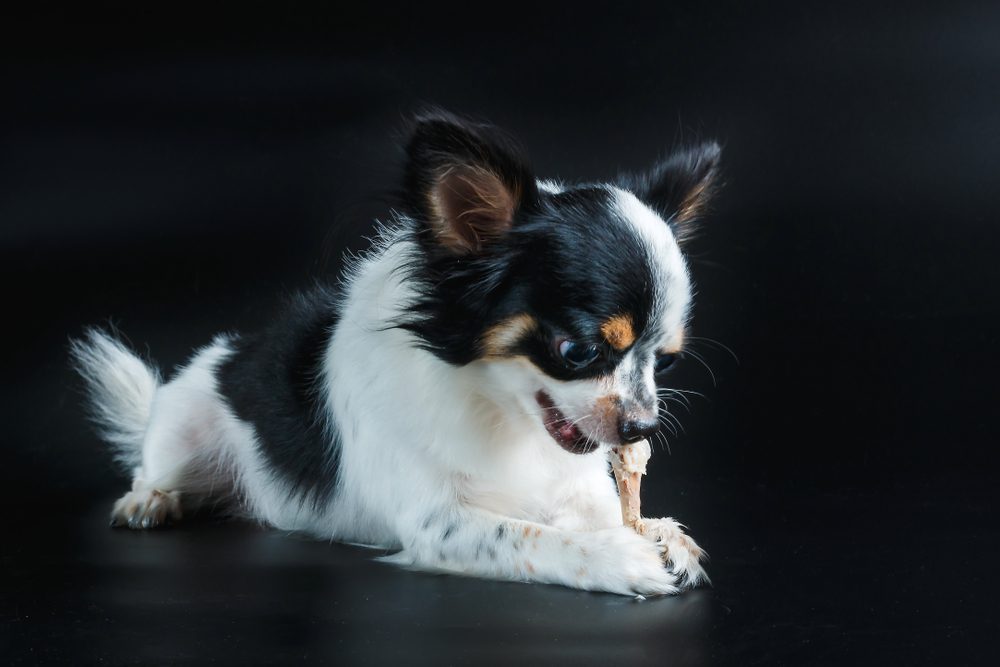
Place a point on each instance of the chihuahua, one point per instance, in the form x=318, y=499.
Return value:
x=453, y=397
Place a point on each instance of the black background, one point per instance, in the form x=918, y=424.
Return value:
x=179, y=170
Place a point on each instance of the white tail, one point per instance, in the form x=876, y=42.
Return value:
x=120, y=389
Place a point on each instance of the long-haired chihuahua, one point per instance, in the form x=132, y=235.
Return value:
x=453, y=396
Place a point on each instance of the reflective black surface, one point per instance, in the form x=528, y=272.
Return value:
x=179, y=172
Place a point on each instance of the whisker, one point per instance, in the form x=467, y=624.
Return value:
x=662, y=401
x=572, y=423
x=715, y=342
x=668, y=390
x=702, y=361
x=669, y=426
x=666, y=442
x=667, y=419
x=680, y=399
x=686, y=391
x=676, y=421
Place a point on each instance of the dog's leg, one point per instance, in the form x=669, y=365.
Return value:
x=168, y=468
x=146, y=507
x=182, y=458
x=615, y=560
x=598, y=508
x=157, y=484
x=682, y=554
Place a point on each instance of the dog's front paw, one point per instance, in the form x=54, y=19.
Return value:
x=618, y=560
x=146, y=508
x=682, y=554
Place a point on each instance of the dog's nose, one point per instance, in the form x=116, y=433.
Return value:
x=633, y=430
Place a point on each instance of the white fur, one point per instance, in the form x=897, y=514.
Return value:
x=122, y=389
x=551, y=186
x=673, y=296
x=450, y=466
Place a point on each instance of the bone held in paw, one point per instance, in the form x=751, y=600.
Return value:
x=629, y=465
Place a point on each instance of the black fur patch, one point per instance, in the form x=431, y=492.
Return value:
x=569, y=260
x=270, y=381
x=440, y=141
x=448, y=532
x=571, y=263
x=679, y=186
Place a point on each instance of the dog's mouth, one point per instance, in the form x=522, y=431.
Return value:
x=562, y=430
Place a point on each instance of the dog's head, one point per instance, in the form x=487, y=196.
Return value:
x=572, y=298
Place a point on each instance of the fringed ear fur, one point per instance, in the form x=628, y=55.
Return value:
x=680, y=187
x=470, y=205
x=465, y=181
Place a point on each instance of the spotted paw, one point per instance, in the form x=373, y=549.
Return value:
x=143, y=509
x=620, y=561
x=682, y=554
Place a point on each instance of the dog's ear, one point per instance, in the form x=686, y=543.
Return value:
x=465, y=181
x=680, y=186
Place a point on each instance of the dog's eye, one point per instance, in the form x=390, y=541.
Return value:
x=578, y=355
x=663, y=362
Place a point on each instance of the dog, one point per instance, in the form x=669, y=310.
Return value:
x=453, y=397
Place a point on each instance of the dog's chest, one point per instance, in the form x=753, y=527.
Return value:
x=533, y=480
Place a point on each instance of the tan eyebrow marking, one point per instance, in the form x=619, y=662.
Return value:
x=499, y=338
x=618, y=331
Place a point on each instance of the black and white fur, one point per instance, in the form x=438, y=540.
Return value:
x=433, y=401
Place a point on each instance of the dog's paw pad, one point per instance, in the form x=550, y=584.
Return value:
x=145, y=509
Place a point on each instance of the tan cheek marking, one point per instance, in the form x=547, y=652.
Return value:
x=618, y=331
x=501, y=337
x=606, y=408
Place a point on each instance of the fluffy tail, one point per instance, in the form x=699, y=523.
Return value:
x=120, y=389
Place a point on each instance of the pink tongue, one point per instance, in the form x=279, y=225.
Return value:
x=567, y=432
